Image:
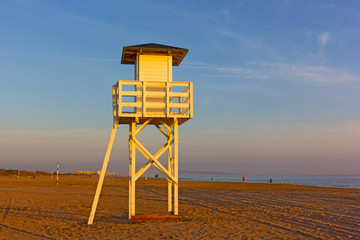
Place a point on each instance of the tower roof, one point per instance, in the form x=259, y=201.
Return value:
x=129, y=52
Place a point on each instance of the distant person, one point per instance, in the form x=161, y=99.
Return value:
x=270, y=181
x=243, y=179
x=212, y=179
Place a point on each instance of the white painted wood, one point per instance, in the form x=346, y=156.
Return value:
x=102, y=175
x=151, y=99
x=167, y=99
x=191, y=100
x=179, y=94
x=131, y=143
x=132, y=170
x=178, y=105
x=155, y=68
x=170, y=169
x=157, y=97
x=119, y=95
x=144, y=98
x=154, y=159
x=176, y=170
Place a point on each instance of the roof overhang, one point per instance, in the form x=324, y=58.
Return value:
x=129, y=52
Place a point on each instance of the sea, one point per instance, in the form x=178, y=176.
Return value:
x=339, y=181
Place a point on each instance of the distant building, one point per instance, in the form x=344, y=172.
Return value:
x=93, y=173
x=86, y=172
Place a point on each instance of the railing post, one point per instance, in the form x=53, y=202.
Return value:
x=167, y=99
x=144, y=98
x=115, y=101
x=119, y=98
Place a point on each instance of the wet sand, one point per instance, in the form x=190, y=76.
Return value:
x=38, y=209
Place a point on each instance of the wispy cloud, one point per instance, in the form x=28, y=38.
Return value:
x=324, y=39
x=64, y=13
x=86, y=20
x=226, y=87
x=94, y=59
x=245, y=41
x=282, y=71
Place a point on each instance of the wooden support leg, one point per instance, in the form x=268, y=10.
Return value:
x=132, y=173
x=170, y=188
x=171, y=171
x=102, y=175
x=130, y=143
x=176, y=175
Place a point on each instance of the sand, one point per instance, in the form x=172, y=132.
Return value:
x=38, y=209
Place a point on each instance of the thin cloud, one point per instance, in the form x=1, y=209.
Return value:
x=282, y=71
x=95, y=59
x=241, y=87
x=244, y=40
x=73, y=16
x=324, y=39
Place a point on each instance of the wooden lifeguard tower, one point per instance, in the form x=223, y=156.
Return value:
x=151, y=99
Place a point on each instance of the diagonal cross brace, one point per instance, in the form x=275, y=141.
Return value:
x=153, y=160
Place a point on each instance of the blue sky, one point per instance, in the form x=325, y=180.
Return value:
x=276, y=83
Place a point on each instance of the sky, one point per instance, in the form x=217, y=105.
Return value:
x=276, y=83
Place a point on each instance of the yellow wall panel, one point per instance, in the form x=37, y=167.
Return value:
x=154, y=68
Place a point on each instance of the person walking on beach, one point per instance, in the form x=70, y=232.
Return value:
x=270, y=181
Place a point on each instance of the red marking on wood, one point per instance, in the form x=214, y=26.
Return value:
x=154, y=218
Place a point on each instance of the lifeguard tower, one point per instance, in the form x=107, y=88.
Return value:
x=151, y=99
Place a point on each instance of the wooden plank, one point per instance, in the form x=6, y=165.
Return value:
x=132, y=168
x=131, y=93
x=130, y=82
x=129, y=114
x=179, y=94
x=114, y=101
x=179, y=105
x=155, y=94
x=184, y=111
x=131, y=104
x=156, y=84
x=186, y=89
x=179, y=115
x=180, y=84
x=119, y=98
x=176, y=166
x=155, y=157
x=167, y=99
x=102, y=175
x=191, y=100
x=154, y=68
x=156, y=105
x=154, y=218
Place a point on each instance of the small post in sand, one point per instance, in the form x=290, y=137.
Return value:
x=57, y=173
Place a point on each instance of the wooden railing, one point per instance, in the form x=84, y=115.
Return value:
x=152, y=99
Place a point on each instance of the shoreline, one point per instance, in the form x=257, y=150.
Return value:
x=163, y=179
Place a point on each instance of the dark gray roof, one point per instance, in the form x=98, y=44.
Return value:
x=129, y=52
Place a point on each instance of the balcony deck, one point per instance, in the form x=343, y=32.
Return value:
x=161, y=101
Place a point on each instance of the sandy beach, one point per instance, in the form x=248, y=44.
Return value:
x=35, y=208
